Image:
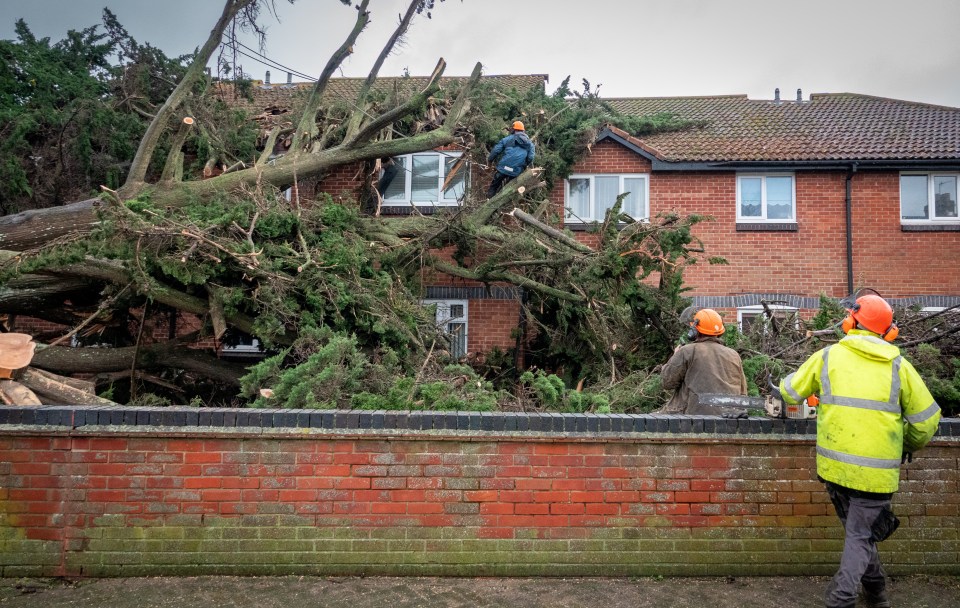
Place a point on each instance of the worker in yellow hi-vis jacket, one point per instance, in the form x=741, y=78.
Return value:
x=874, y=412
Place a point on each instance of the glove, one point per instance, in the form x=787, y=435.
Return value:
x=907, y=457
x=734, y=415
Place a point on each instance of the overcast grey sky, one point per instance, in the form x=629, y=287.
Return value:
x=633, y=48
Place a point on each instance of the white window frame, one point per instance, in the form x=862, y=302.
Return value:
x=931, y=207
x=597, y=215
x=762, y=219
x=444, y=319
x=244, y=348
x=756, y=310
x=407, y=174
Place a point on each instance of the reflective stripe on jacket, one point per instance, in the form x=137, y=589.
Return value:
x=873, y=407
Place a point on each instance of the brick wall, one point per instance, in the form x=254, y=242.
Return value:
x=104, y=499
x=492, y=323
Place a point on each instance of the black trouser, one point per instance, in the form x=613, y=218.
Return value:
x=498, y=181
x=861, y=515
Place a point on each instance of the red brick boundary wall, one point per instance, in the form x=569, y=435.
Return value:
x=84, y=494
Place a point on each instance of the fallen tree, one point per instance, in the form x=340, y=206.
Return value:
x=336, y=293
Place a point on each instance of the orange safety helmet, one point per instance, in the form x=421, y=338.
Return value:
x=872, y=313
x=518, y=126
x=707, y=321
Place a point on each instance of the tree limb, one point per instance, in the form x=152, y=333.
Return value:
x=173, y=168
x=163, y=355
x=307, y=127
x=357, y=116
x=550, y=231
x=141, y=161
x=113, y=272
x=268, y=147
x=388, y=118
x=508, y=277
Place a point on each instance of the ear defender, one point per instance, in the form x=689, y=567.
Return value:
x=892, y=332
x=692, y=333
x=848, y=323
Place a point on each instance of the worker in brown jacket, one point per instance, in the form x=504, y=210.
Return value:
x=705, y=366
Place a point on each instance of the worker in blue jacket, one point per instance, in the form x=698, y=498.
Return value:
x=515, y=152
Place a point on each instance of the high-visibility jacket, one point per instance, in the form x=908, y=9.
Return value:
x=873, y=407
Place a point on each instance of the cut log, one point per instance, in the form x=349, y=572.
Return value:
x=14, y=393
x=81, y=385
x=53, y=391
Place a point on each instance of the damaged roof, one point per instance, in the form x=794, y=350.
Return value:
x=828, y=127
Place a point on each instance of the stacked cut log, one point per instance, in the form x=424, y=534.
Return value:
x=24, y=385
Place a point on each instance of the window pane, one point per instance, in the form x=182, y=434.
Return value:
x=397, y=190
x=779, y=198
x=747, y=320
x=455, y=187
x=635, y=205
x=425, y=184
x=750, y=197
x=913, y=197
x=607, y=190
x=458, y=339
x=944, y=196
x=579, y=202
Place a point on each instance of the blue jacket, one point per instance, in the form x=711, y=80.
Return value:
x=517, y=152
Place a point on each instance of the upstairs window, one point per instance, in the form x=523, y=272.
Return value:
x=928, y=197
x=766, y=198
x=588, y=197
x=422, y=177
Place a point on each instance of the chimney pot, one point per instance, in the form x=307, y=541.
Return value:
x=266, y=79
x=289, y=78
x=799, y=95
x=776, y=94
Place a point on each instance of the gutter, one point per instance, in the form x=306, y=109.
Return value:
x=848, y=208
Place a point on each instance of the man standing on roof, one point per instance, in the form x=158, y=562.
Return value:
x=874, y=412
x=705, y=366
x=516, y=152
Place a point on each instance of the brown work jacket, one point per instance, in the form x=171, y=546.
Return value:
x=706, y=366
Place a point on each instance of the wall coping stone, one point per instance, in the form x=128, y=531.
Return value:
x=389, y=422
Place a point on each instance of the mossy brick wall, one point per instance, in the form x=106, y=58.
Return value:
x=151, y=491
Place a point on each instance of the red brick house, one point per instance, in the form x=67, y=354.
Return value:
x=824, y=195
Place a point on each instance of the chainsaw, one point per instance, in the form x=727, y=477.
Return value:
x=772, y=405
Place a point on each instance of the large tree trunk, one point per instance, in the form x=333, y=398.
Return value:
x=66, y=360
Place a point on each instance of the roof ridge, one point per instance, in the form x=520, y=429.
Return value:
x=731, y=96
x=880, y=98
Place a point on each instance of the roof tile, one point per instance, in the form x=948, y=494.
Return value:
x=841, y=126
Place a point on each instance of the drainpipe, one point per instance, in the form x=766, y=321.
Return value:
x=849, y=212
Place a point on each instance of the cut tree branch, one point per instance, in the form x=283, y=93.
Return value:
x=173, y=169
x=141, y=161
